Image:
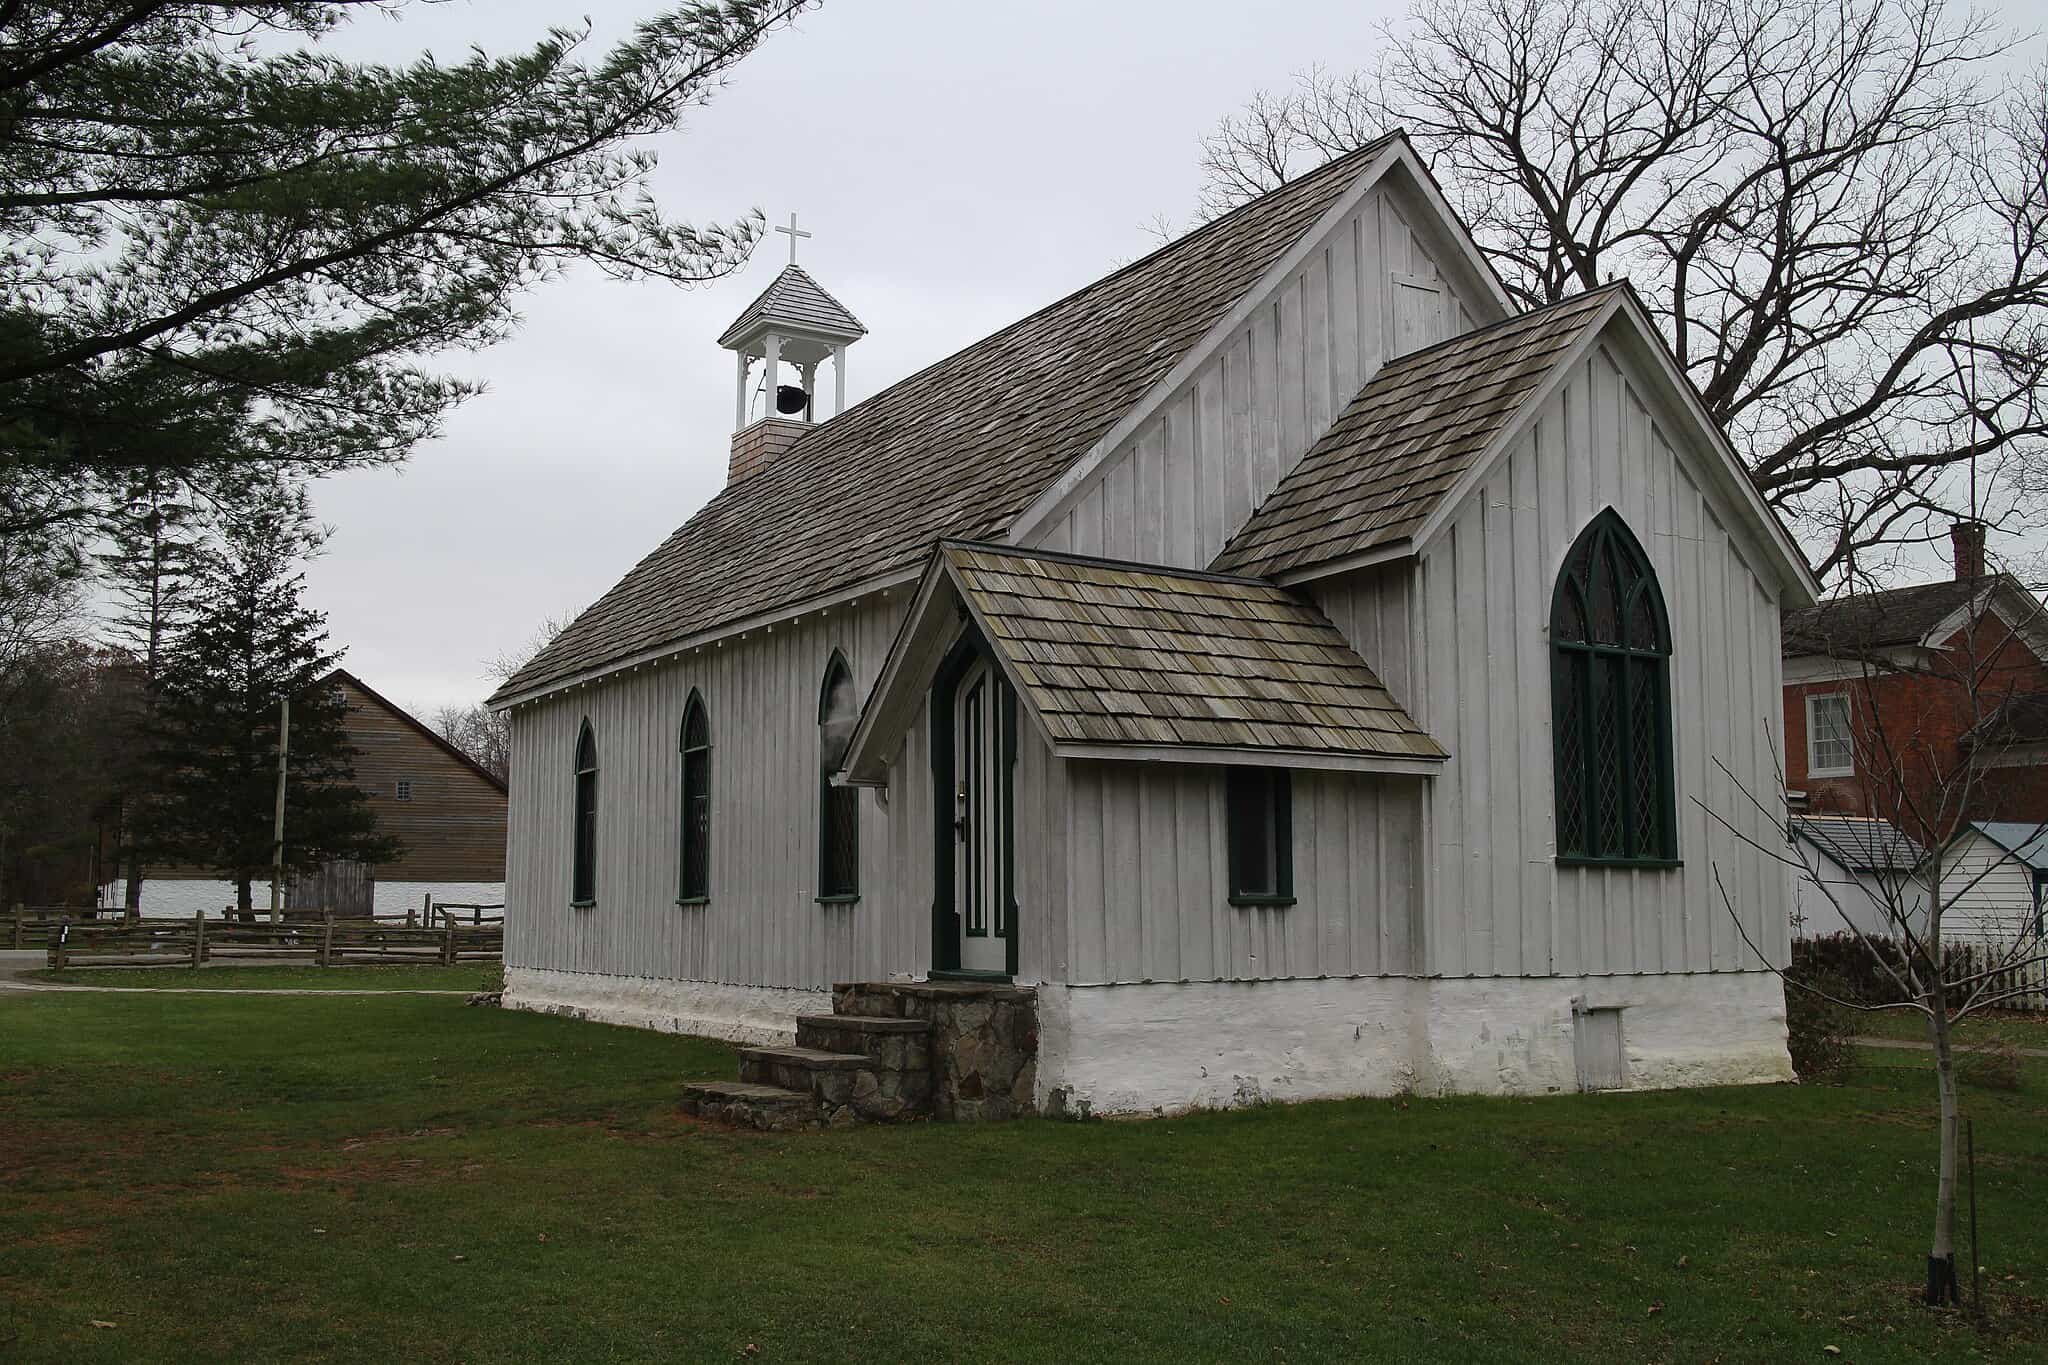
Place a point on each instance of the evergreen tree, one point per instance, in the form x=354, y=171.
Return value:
x=151, y=538
x=221, y=243
x=252, y=642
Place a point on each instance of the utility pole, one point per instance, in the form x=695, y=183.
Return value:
x=284, y=739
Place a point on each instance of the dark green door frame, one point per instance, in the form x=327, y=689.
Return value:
x=970, y=647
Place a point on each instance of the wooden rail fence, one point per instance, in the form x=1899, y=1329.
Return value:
x=327, y=942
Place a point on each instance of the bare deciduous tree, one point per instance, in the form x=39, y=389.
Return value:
x=1927, y=772
x=1837, y=210
x=480, y=732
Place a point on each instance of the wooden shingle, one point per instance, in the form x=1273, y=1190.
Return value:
x=1405, y=440
x=961, y=448
x=1201, y=659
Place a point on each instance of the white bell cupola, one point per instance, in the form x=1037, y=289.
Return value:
x=781, y=340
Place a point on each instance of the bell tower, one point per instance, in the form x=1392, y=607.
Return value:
x=793, y=323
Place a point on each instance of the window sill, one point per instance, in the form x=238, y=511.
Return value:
x=853, y=899
x=1831, y=772
x=1262, y=900
x=693, y=900
x=583, y=905
x=1623, y=864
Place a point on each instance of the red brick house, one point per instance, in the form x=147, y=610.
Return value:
x=1879, y=708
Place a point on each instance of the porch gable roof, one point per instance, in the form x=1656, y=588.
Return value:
x=1139, y=661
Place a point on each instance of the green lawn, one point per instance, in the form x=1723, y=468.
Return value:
x=296, y=1178
x=393, y=977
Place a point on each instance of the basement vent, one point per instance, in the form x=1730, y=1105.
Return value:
x=1596, y=1040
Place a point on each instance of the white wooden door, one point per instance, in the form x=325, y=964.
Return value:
x=978, y=780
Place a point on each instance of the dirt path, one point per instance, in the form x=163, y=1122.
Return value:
x=1908, y=1045
x=16, y=965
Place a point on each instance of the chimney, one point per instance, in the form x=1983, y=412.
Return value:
x=1967, y=538
x=756, y=447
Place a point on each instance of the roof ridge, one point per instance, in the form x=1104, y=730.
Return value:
x=1105, y=562
x=1499, y=324
x=1121, y=271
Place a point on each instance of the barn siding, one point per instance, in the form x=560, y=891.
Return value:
x=453, y=827
x=1148, y=889
x=1474, y=670
x=1184, y=482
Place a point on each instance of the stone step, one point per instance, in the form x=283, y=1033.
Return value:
x=770, y=1108
x=867, y=999
x=846, y=1086
x=826, y=1076
x=890, y=1044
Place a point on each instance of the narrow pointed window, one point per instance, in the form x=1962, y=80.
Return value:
x=838, y=807
x=1610, y=697
x=696, y=811
x=583, y=879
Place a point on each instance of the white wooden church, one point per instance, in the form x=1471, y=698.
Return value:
x=1277, y=670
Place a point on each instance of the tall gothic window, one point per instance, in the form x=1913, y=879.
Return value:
x=696, y=812
x=838, y=807
x=1610, y=698
x=583, y=879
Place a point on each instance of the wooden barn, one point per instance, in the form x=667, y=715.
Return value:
x=1278, y=670
x=447, y=809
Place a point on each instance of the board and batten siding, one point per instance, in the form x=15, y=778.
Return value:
x=763, y=925
x=1182, y=484
x=1147, y=895
x=1460, y=634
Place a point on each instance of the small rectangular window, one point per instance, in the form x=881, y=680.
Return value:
x=402, y=790
x=1829, y=750
x=1261, y=816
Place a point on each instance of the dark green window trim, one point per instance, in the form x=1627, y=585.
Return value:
x=1259, y=810
x=693, y=833
x=838, y=807
x=1610, y=699
x=583, y=826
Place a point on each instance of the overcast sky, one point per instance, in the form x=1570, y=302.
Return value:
x=960, y=164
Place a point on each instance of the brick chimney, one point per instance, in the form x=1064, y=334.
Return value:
x=756, y=447
x=1967, y=539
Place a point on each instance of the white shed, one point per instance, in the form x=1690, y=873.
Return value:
x=1993, y=882
x=1865, y=868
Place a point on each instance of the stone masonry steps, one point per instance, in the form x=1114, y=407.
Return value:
x=890, y=1052
x=766, y=1107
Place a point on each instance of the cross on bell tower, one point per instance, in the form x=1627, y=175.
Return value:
x=795, y=321
x=794, y=233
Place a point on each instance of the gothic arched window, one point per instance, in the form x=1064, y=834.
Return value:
x=695, y=884
x=583, y=880
x=1610, y=698
x=838, y=807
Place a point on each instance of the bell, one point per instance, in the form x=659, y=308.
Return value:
x=790, y=399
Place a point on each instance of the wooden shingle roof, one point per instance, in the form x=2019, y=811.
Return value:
x=794, y=297
x=1406, y=439
x=1129, y=656
x=958, y=449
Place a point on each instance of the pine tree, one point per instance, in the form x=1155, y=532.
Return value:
x=152, y=537
x=251, y=643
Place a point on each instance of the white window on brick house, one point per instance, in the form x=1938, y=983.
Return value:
x=1829, y=750
x=402, y=789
